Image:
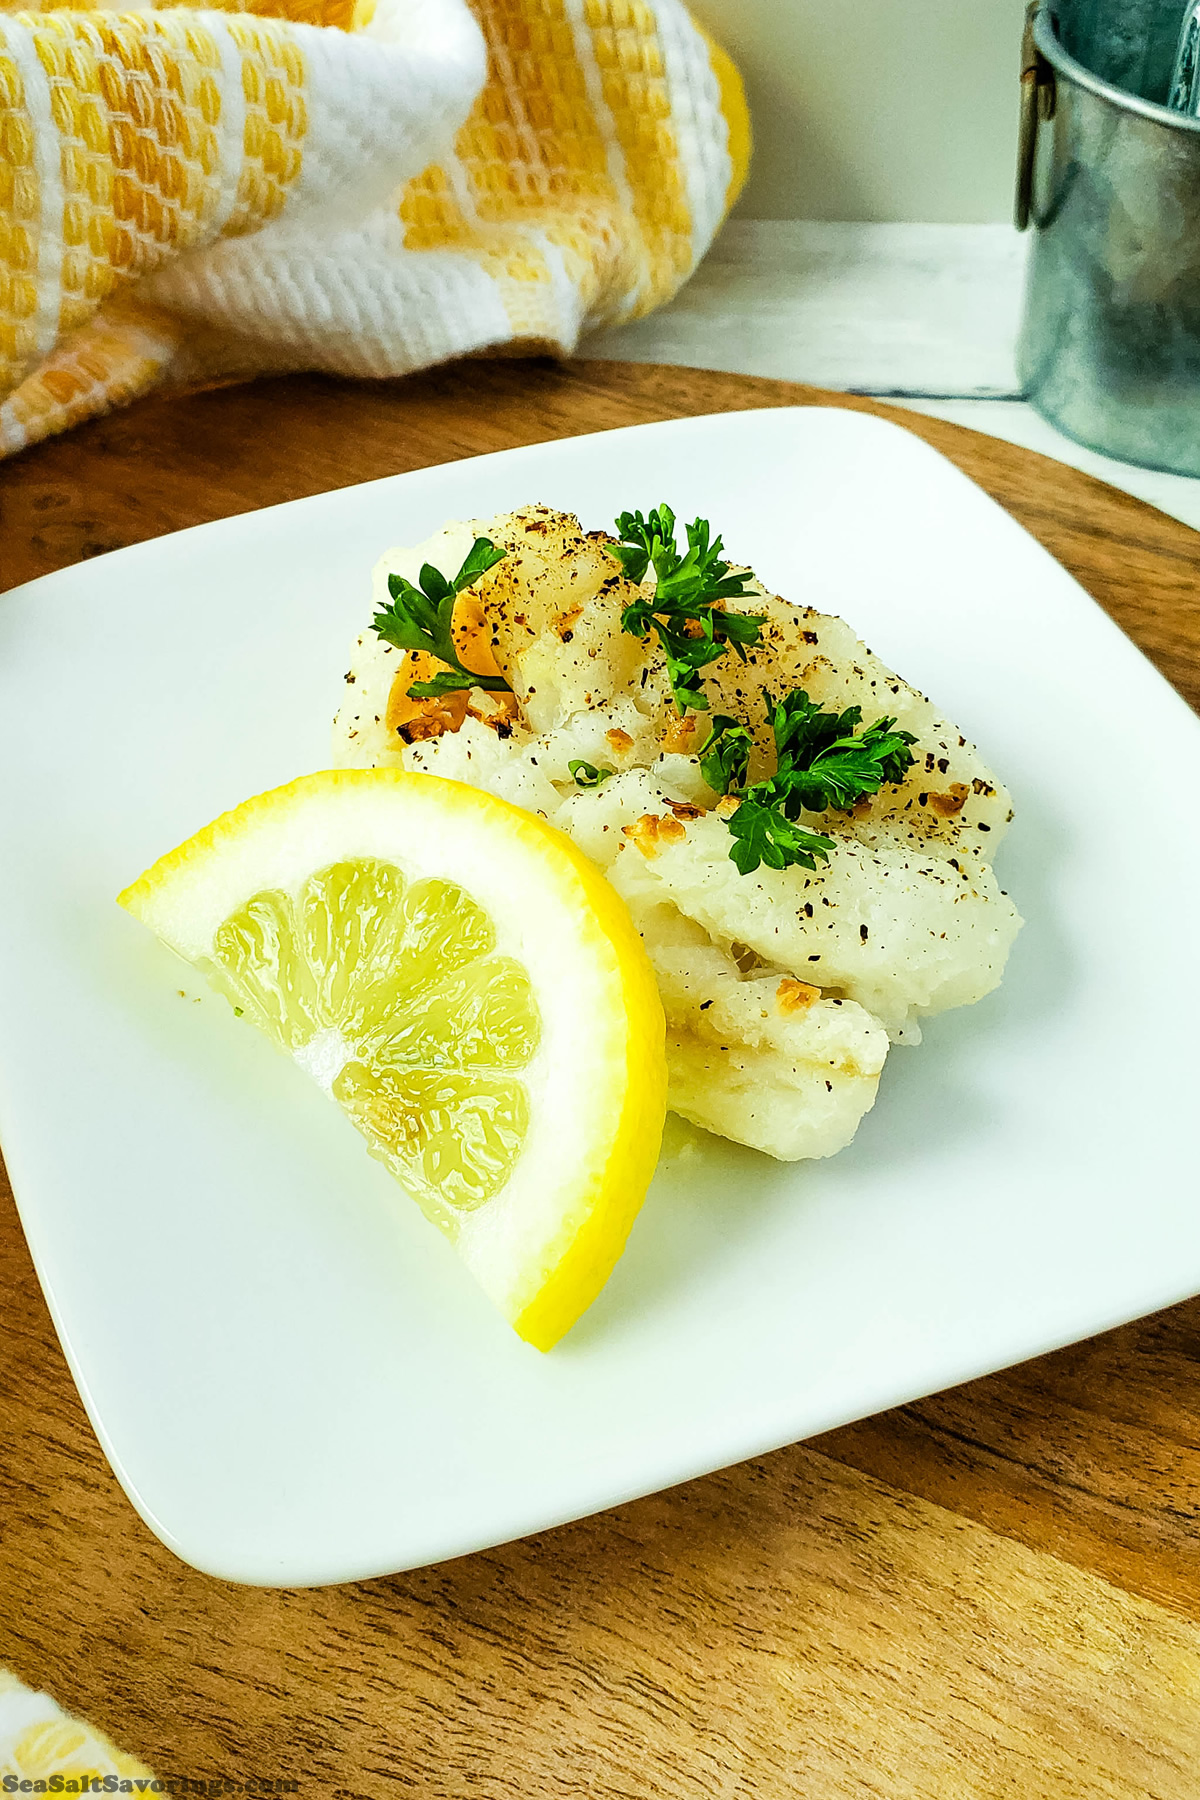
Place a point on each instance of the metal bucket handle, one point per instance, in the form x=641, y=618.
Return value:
x=1038, y=97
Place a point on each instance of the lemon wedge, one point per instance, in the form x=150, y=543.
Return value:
x=469, y=989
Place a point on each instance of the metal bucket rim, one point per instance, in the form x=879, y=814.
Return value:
x=1047, y=41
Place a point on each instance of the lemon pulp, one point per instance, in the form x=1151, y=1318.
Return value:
x=391, y=995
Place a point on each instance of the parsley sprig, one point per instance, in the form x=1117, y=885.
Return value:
x=823, y=762
x=725, y=755
x=830, y=763
x=419, y=618
x=685, y=609
x=586, y=774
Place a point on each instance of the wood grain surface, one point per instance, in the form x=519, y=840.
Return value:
x=995, y=1592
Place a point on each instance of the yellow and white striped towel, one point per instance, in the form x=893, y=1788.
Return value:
x=41, y=1745
x=361, y=186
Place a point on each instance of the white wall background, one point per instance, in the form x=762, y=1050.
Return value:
x=877, y=109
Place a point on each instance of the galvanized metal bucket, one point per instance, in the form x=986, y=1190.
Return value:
x=1109, y=179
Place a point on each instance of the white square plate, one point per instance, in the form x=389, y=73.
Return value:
x=292, y=1376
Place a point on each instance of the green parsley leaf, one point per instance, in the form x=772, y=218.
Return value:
x=725, y=755
x=419, y=618
x=763, y=834
x=823, y=762
x=685, y=613
x=482, y=556
x=586, y=774
x=446, y=681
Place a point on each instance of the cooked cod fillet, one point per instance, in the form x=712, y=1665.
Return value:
x=553, y=609
x=902, y=929
x=754, y=1054
x=781, y=988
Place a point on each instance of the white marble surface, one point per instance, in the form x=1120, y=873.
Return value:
x=880, y=309
x=923, y=314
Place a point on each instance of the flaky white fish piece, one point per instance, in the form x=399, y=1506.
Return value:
x=547, y=618
x=756, y=1055
x=476, y=756
x=950, y=796
x=898, y=924
x=554, y=606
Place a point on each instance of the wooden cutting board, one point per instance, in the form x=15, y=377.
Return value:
x=995, y=1592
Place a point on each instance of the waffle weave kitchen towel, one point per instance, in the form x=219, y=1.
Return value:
x=55, y=1754
x=360, y=186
